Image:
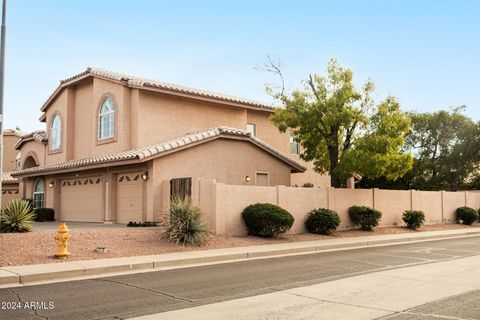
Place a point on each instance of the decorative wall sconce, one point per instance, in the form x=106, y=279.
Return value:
x=247, y=178
x=51, y=184
x=145, y=176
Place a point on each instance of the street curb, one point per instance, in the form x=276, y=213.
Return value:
x=57, y=272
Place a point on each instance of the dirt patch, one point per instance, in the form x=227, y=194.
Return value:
x=38, y=246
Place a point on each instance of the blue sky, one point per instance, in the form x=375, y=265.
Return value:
x=426, y=53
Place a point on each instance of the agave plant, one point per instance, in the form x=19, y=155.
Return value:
x=17, y=216
x=185, y=224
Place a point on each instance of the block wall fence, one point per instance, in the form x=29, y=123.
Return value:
x=223, y=204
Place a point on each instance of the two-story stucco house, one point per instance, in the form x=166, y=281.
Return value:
x=113, y=142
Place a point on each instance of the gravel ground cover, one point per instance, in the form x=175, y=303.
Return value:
x=39, y=246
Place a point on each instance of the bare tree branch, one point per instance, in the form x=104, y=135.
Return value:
x=273, y=67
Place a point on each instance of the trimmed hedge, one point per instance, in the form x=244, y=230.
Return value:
x=414, y=219
x=266, y=220
x=466, y=215
x=141, y=224
x=44, y=214
x=367, y=218
x=322, y=221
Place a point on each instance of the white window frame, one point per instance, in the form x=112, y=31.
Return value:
x=106, y=128
x=253, y=126
x=38, y=200
x=293, y=142
x=56, y=133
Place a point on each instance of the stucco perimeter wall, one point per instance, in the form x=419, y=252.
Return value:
x=223, y=204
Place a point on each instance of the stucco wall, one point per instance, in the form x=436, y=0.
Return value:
x=223, y=204
x=226, y=160
x=33, y=147
x=163, y=117
x=9, y=153
x=10, y=192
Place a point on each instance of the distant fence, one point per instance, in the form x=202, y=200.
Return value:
x=223, y=204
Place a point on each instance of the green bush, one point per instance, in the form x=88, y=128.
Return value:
x=141, y=224
x=185, y=224
x=322, y=221
x=466, y=215
x=17, y=216
x=44, y=214
x=413, y=219
x=308, y=185
x=266, y=220
x=367, y=218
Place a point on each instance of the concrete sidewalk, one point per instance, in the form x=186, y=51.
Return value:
x=55, y=272
x=371, y=296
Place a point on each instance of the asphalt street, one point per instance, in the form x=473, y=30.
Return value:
x=122, y=297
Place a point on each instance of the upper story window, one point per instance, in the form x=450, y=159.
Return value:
x=106, y=119
x=294, y=145
x=56, y=133
x=251, y=128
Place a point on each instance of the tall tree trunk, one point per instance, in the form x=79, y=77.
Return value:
x=333, y=156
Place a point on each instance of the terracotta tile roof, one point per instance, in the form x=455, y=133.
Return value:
x=7, y=178
x=138, y=82
x=38, y=135
x=146, y=153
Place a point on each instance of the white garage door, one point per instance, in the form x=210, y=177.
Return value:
x=129, y=197
x=81, y=200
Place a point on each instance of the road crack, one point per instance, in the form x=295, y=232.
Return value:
x=35, y=312
x=146, y=289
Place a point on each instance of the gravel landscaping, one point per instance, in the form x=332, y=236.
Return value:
x=38, y=246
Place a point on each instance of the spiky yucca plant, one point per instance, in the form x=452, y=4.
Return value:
x=17, y=216
x=185, y=224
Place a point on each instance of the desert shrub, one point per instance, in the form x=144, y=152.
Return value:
x=413, y=219
x=266, y=220
x=466, y=215
x=308, y=185
x=322, y=221
x=185, y=224
x=367, y=218
x=44, y=214
x=17, y=216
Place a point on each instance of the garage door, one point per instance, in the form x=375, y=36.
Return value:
x=81, y=200
x=129, y=197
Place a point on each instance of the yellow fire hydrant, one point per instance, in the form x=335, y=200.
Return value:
x=62, y=238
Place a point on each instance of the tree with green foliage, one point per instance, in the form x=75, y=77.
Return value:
x=342, y=130
x=441, y=142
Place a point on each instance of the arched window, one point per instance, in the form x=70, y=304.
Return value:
x=39, y=193
x=56, y=133
x=106, y=119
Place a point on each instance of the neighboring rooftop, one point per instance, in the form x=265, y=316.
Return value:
x=38, y=135
x=138, y=82
x=13, y=132
x=161, y=149
x=7, y=177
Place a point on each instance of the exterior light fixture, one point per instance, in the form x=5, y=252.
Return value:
x=145, y=176
x=247, y=178
x=51, y=184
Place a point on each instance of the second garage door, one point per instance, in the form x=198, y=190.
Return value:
x=81, y=200
x=129, y=197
